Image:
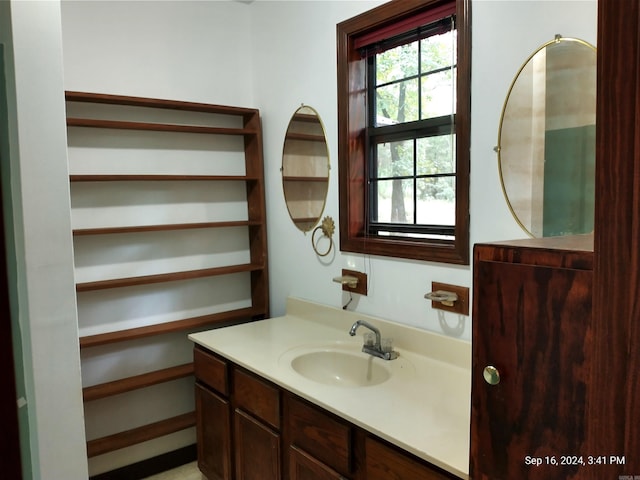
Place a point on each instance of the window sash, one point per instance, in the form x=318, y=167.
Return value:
x=412, y=130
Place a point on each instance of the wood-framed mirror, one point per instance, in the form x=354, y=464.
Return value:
x=546, y=140
x=305, y=168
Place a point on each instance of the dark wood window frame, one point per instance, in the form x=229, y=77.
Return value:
x=352, y=140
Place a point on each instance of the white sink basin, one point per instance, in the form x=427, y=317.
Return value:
x=335, y=367
x=343, y=364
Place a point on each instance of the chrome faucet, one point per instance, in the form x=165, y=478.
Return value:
x=376, y=348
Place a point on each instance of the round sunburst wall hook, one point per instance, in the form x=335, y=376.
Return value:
x=327, y=227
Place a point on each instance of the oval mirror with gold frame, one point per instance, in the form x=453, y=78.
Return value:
x=546, y=140
x=305, y=168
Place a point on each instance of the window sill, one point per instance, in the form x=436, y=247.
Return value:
x=429, y=251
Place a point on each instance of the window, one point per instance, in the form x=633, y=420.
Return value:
x=403, y=120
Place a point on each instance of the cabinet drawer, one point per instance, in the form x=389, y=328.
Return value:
x=385, y=463
x=323, y=436
x=211, y=370
x=302, y=466
x=256, y=396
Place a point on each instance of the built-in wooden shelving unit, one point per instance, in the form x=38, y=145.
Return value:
x=249, y=128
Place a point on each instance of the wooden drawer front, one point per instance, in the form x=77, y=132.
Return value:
x=302, y=466
x=257, y=397
x=321, y=435
x=211, y=370
x=385, y=463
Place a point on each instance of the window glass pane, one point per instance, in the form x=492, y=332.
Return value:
x=394, y=201
x=436, y=155
x=397, y=63
x=438, y=51
x=438, y=94
x=436, y=203
x=397, y=103
x=395, y=159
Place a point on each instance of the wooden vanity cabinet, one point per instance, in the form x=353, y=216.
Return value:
x=250, y=429
x=532, y=339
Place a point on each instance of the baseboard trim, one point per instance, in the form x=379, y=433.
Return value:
x=151, y=466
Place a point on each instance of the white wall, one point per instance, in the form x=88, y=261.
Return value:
x=300, y=59
x=42, y=239
x=192, y=51
x=270, y=55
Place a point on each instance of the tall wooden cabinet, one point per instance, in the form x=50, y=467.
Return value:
x=532, y=339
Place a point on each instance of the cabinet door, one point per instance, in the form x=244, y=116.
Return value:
x=303, y=466
x=257, y=449
x=533, y=324
x=213, y=425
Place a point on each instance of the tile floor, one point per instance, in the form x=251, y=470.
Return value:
x=185, y=472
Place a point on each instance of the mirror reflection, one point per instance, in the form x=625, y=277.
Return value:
x=305, y=168
x=546, y=142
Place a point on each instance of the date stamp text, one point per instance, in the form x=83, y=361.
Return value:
x=579, y=460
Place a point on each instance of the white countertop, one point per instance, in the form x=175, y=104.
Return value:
x=423, y=408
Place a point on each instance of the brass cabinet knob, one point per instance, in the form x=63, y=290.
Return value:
x=491, y=375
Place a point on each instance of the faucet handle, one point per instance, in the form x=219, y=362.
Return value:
x=386, y=345
x=369, y=339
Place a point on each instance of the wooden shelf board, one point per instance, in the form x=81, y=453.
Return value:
x=156, y=178
x=102, y=98
x=163, y=227
x=165, y=277
x=128, y=384
x=103, y=445
x=156, y=127
x=222, y=318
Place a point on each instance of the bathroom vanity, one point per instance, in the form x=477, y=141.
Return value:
x=294, y=397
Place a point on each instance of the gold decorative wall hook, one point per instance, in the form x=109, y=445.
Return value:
x=327, y=227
